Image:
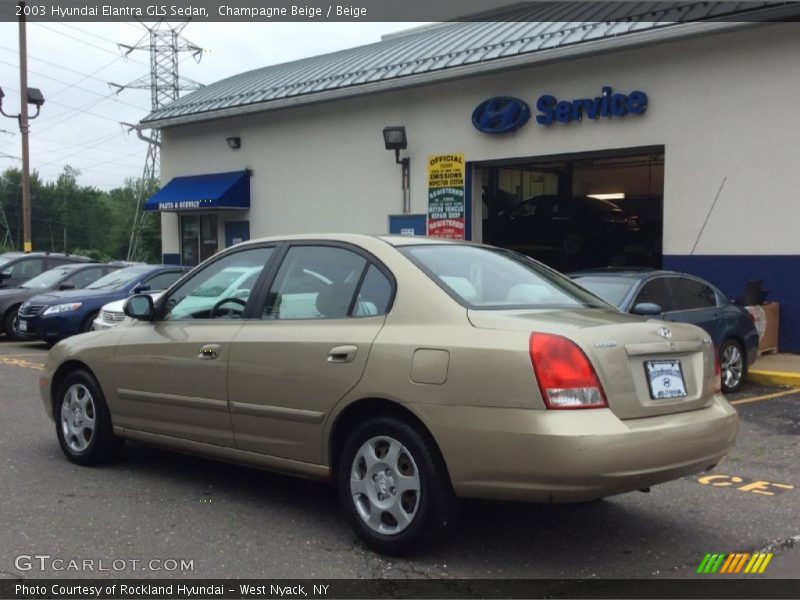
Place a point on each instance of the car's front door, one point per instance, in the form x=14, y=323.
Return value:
x=172, y=374
x=308, y=348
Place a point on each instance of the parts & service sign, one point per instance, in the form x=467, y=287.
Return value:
x=446, y=196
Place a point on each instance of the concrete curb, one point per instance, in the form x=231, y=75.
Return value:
x=773, y=377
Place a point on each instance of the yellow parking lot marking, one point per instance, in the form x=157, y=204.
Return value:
x=766, y=396
x=760, y=487
x=11, y=361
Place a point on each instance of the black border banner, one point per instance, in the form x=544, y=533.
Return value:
x=258, y=589
x=396, y=11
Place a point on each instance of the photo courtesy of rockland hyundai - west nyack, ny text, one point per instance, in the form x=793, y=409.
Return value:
x=454, y=299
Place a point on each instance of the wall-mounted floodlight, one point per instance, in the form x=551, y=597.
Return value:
x=394, y=138
x=234, y=143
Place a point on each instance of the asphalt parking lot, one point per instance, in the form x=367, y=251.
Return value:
x=233, y=522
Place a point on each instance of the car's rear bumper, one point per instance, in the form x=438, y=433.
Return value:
x=573, y=456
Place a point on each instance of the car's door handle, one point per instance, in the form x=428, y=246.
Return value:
x=209, y=352
x=342, y=354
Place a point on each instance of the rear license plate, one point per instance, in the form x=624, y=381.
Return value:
x=665, y=379
x=22, y=325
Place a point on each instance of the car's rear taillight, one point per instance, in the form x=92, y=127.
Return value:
x=717, y=373
x=565, y=376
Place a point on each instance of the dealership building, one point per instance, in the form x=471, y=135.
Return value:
x=641, y=142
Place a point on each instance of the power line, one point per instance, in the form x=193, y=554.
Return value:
x=70, y=86
x=105, y=162
x=61, y=152
x=82, y=109
x=77, y=39
x=63, y=68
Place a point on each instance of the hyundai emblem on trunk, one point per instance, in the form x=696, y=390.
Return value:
x=664, y=332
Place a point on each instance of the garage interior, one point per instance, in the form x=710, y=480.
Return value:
x=577, y=211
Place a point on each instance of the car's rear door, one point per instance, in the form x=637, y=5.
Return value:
x=308, y=347
x=696, y=303
x=172, y=374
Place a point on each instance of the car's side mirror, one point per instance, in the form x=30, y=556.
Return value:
x=145, y=287
x=646, y=308
x=140, y=307
x=5, y=276
x=67, y=286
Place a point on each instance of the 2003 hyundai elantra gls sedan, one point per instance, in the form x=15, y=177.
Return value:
x=408, y=371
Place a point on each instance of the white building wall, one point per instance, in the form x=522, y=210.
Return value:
x=723, y=106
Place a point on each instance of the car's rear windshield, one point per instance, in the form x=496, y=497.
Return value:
x=46, y=280
x=481, y=277
x=608, y=287
x=118, y=279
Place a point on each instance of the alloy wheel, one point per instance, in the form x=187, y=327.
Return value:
x=732, y=364
x=385, y=485
x=78, y=417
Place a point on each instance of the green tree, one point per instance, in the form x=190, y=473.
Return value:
x=68, y=216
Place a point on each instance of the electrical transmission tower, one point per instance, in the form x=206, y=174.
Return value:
x=5, y=231
x=165, y=43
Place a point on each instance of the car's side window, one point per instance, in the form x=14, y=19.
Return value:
x=86, y=276
x=25, y=268
x=658, y=292
x=163, y=280
x=374, y=295
x=57, y=261
x=316, y=282
x=690, y=294
x=221, y=289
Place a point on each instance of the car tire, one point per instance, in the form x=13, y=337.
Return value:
x=83, y=422
x=380, y=458
x=86, y=327
x=9, y=323
x=572, y=244
x=733, y=366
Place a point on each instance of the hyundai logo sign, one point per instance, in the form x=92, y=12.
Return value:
x=606, y=105
x=501, y=114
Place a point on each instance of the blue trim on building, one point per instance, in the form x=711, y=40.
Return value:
x=202, y=192
x=171, y=258
x=780, y=273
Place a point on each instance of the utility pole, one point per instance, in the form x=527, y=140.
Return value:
x=28, y=96
x=23, y=128
x=165, y=43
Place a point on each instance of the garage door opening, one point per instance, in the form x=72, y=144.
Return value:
x=577, y=211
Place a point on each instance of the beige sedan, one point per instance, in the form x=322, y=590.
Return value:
x=407, y=371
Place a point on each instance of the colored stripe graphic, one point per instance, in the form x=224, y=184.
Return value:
x=711, y=563
x=734, y=563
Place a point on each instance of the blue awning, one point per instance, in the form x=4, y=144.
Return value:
x=201, y=192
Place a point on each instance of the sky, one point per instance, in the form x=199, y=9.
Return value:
x=73, y=63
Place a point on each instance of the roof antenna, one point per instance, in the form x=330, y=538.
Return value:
x=700, y=234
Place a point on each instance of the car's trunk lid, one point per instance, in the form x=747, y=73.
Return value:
x=636, y=358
